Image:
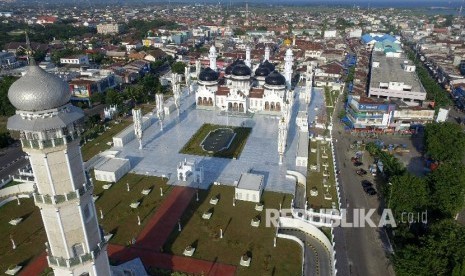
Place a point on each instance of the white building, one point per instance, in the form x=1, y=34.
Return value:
x=249, y=187
x=78, y=60
x=111, y=28
x=330, y=34
x=240, y=93
x=111, y=169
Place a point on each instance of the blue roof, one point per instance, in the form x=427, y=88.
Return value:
x=366, y=38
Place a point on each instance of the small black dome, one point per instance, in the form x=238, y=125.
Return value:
x=262, y=71
x=229, y=69
x=275, y=78
x=268, y=65
x=241, y=70
x=208, y=75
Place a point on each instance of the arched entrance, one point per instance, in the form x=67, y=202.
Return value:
x=235, y=107
x=278, y=107
x=229, y=106
x=272, y=106
x=267, y=106
x=210, y=102
x=199, y=101
x=241, y=107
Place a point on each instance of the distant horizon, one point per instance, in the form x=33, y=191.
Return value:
x=427, y=4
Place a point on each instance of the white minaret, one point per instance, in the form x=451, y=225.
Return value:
x=160, y=109
x=267, y=53
x=49, y=128
x=289, y=62
x=282, y=135
x=248, y=62
x=198, y=66
x=212, y=56
x=137, y=118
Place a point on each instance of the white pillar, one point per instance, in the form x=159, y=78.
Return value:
x=212, y=56
x=289, y=62
x=248, y=62
x=267, y=53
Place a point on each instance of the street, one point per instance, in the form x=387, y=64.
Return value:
x=365, y=247
x=11, y=159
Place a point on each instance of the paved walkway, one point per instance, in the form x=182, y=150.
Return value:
x=171, y=262
x=37, y=266
x=158, y=229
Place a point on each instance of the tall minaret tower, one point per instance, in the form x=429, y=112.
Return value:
x=49, y=128
x=289, y=62
x=213, y=55
x=248, y=61
x=267, y=53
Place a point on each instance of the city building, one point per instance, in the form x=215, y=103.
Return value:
x=76, y=60
x=109, y=28
x=238, y=92
x=49, y=128
x=394, y=77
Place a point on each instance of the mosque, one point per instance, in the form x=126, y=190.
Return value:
x=241, y=90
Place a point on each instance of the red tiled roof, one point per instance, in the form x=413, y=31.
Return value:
x=222, y=91
x=256, y=93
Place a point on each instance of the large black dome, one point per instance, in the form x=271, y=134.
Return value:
x=208, y=75
x=262, y=71
x=229, y=69
x=268, y=65
x=275, y=78
x=241, y=70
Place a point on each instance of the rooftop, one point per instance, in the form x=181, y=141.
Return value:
x=111, y=164
x=250, y=181
x=390, y=70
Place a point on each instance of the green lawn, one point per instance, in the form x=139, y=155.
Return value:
x=239, y=236
x=29, y=235
x=118, y=217
x=193, y=146
x=315, y=178
x=99, y=144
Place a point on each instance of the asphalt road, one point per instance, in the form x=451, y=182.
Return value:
x=317, y=259
x=366, y=249
x=11, y=159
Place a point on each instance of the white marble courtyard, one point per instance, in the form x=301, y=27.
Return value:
x=160, y=154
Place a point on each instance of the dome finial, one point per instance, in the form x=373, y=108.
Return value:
x=30, y=57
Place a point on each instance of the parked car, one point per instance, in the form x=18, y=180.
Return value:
x=361, y=172
x=366, y=184
x=370, y=191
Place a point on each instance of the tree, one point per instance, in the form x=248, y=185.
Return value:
x=178, y=67
x=113, y=97
x=445, y=141
x=447, y=184
x=97, y=98
x=408, y=193
x=438, y=253
x=6, y=108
